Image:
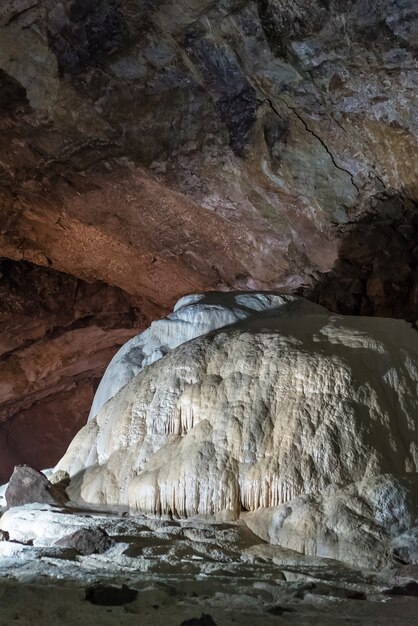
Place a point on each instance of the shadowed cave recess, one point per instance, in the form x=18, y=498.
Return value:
x=151, y=149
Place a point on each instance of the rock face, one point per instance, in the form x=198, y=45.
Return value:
x=57, y=333
x=291, y=402
x=27, y=486
x=86, y=541
x=163, y=147
x=176, y=567
x=201, y=144
x=376, y=272
x=365, y=523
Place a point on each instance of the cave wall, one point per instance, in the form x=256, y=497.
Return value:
x=376, y=272
x=57, y=334
x=156, y=148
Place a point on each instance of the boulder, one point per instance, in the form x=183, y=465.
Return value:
x=305, y=419
x=255, y=415
x=87, y=541
x=363, y=524
x=27, y=485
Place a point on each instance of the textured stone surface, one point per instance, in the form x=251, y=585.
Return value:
x=183, y=568
x=165, y=147
x=86, y=541
x=201, y=144
x=26, y=486
x=288, y=403
x=57, y=333
x=367, y=523
x=193, y=316
x=376, y=272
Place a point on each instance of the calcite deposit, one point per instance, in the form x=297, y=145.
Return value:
x=181, y=569
x=166, y=147
x=287, y=402
x=193, y=316
x=368, y=523
x=155, y=148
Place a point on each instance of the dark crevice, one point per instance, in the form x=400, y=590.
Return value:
x=12, y=94
x=18, y=14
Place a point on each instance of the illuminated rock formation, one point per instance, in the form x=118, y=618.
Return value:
x=287, y=402
x=193, y=316
x=157, y=148
x=369, y=523
x=57, y=334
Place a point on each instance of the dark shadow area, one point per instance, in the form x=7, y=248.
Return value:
x=12, y=95
x=377, y=270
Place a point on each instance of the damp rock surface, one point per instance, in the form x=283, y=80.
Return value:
x=158, y=148
x=86, y=541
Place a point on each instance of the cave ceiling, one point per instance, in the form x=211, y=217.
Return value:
x=152, y=148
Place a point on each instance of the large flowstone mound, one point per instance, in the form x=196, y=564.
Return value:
x=283, y=403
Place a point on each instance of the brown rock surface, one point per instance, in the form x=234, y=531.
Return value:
x=152, y=149
x=164, y=148
x=27, y=486
x=57, y=334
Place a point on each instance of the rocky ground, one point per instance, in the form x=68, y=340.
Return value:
x=182, y=569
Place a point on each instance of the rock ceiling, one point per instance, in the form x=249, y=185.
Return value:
x=151, y=148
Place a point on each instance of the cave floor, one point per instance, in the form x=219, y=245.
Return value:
x=181, y=570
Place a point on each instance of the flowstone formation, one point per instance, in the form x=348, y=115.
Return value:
x=193, y=315
x=287, y=402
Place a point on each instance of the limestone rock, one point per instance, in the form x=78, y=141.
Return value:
x=61, y=479
x=408, y=589
x=86, y=541
x=255, y=415
x=177, y=566
x=161, y=147
x=193, y=316
x=28, y=485
x=363, y=523
x=2, y=498
x=231, y=136
x=43, y=525
x=47, y=377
